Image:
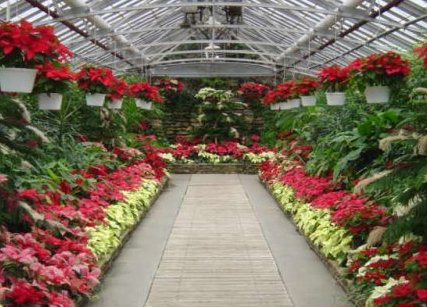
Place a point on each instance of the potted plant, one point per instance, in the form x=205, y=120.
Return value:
x=294, y=100
x=252, y=91
x=144, y=94
x=96, y=82
x=376, y=73
x=53, y=79
x=334, y=79
x=170, y=87
x=22, y=47
x=306, y=87
x=115, y=97
x=271, y=99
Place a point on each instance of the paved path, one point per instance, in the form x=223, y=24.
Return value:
x=218, y=240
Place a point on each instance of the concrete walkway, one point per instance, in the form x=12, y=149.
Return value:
x=218, y=240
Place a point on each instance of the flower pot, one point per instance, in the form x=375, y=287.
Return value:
x=17, y=80
x=50, y=101
x=294, y=103
x=308, y=101
x=115, y=104
x=95, y=100
x=335, y=99
x=146, y=105
x=275, y=107
x=290, y=104
x=377, y=94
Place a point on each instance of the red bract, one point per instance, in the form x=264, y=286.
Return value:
x=281, y=93
x=379, y=68
x=53, y=78
x=146, y=91
x=422, y=53
x=118, y=89
x=95, y=79
x=253, y=91
x=306, y=86
x=356, y=215
x=24, y=45
x=306, y=187
x=333, y=77
x=170, y=86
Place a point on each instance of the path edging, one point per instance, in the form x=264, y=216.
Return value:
x=333, y=267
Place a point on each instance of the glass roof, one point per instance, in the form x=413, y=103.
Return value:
x=297, y=36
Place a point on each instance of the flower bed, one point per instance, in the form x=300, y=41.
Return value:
x=59, y=261
x=335, y=221
x=211, y=153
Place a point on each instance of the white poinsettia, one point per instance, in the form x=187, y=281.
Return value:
x=381, y=291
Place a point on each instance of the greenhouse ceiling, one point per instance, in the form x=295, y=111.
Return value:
x=225, y=38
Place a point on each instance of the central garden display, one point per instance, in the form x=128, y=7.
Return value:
x=85, y=153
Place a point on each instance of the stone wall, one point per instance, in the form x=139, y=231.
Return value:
x=181, y=122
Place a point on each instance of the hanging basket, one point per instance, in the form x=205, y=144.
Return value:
x=17, y=80
x=95, y=100
x=377, y=94
x=146, y=105
x=275, y=106
x=50, y=101
x=335, y=99
x=308, y=101
x=290, y=104
x=115, y=104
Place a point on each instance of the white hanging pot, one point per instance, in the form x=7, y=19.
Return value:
x=17, y=80
x=377, y=94
x=115, y=104
x=284, y=105
x=50, y=101
x=308, y=101
x=143, y=104
x=95, y=100
x=275, y=107
x=335, y=99
x=294, y=103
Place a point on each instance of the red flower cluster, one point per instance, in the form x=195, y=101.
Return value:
x=146, y=91
x=306, y=86
x=118, y=89
x=46, y=268
x=407, y=260
x=24, y=45
x=53, y=77
x=305, y=186
x=422, y=53
x=171, y=86
x=253, y=91
x=378, y=68
x=95, y=79
x=333, y=77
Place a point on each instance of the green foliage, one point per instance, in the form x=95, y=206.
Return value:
x=217, y=116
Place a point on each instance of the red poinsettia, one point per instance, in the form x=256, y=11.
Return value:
x=95, y=79
x=333, y=77
x=53, y=77
x=146, y=91
x=378, y=69
x=118, y=89
x=306, y=86
x=281, y=93
x=422, y=53
x=23, y=45
x=253, y=91
x=170, y=86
